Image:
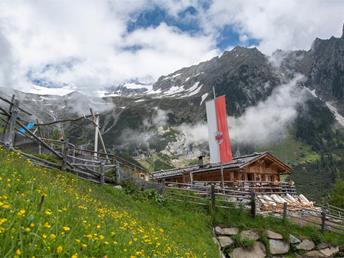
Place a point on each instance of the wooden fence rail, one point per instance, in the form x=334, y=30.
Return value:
x=214, y=198
x=90, y=165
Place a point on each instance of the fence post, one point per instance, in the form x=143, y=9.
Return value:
x=212, y=202
x=11, y=125
x=102, y=171
x=253, y=204
x=285, y=211
x=65, y=155
x=118, y=173
x=323, y=220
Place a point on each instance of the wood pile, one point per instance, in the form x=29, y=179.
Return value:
x=275, y=202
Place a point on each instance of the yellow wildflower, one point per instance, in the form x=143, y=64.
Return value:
x=18, y=252
x=48, y=212
x=66, y=228
x=59, y=249
x=32, y=225
x=21, y=213
x=47, y=225
x=2, y=221
x=52, y=236
x=74, y=255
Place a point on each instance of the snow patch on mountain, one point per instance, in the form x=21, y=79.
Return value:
x=339, y=118
x=38, y=90
x=204, y=96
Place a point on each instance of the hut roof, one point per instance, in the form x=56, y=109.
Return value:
x=236, y=163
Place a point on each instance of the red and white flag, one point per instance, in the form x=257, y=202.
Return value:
x=219, y=141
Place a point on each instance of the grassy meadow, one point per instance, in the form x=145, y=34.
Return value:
x=46, y=213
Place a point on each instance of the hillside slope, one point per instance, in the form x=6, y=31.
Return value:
x=78, y=219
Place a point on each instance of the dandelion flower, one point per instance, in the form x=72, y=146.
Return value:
x=18, y=252
x=66, y=228
x=21, y=213
x=47, y=225
x=52, y=236
x=59, y=249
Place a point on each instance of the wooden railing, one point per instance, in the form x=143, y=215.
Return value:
x=326, y=218
x=98, y=167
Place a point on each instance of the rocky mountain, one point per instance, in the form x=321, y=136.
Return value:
x=291, y=103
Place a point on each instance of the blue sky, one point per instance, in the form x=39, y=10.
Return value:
x=186, y=21
x=88, y=45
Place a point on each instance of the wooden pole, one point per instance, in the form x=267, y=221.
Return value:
x=118, y=173
x=323, y=220
x=212, y=197
x=39, y=135
x=102, y=173
x=285, y=211
x=253, y=204
x=65, y=156
x=96, y=134
x=10, y=111
x=222, y=178
x=11, y=126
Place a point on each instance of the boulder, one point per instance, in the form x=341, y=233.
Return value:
x=294, y=240
x=230, y=231
x=257, y=251
x=278, y=246
x=249, y=234
x=330, y=251
x=322, y=246
x=218, y=230
x=225, y=241
x=314, y=253
x=273, y=235
x=306, y=245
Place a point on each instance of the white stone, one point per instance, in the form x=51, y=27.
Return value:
x=329, y=252
x=249, y=234
x=314, y=254
x=294, y=240
x=306, y=245
x=230, y=231
x=225, y=241
x=218, y=230
x=273, y=235
x=278, y=246
x=257, y=251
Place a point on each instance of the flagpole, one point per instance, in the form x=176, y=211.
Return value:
x=214, y=93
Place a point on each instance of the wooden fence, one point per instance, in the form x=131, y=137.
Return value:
x=326, y=218
x=95, y=166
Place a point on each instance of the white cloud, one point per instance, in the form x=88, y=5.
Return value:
x=267, y=122
x=282, y=24
x=93, y=34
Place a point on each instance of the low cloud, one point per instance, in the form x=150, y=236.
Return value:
x=263, y=124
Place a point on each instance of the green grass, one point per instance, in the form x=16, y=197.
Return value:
x=76, y=218
x=292, y=151
x=242, y=219
x=48, y=157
